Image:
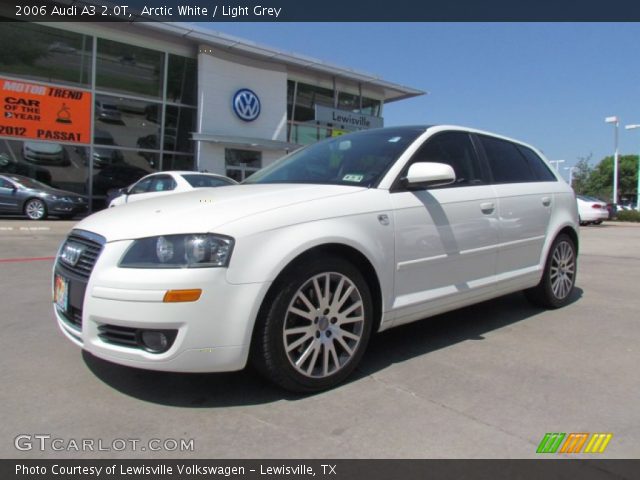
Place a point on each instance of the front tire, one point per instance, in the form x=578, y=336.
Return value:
x=35, y=209
x=313, y=333
x=559, y=276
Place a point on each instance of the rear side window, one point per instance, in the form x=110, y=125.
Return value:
x=507, y=163
x=540, y=169
x=197, y=181
x=454, y=149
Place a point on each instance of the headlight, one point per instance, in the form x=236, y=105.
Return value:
x=179, y=251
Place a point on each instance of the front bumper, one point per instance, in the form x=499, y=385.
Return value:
x=44, y=158
x=67, y=208
x=213, y=333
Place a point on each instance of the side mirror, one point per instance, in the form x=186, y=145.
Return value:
x=428, y=174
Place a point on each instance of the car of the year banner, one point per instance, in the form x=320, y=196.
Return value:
x=44, y=112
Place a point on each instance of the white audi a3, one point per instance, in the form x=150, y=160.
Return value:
x=294, y=269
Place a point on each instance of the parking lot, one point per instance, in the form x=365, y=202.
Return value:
x=486, y=381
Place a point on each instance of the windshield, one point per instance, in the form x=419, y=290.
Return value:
x=358, y=159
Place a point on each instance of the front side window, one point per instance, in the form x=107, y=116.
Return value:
x=143, y=186
x=359, y=159
x=454, y=149
x=507, y=164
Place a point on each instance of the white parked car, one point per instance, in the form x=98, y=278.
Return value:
x=45, y=153
x=591, y=210
x=295, y=268
x=163, y=183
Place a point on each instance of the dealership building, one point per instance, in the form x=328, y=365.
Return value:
x=140, y=97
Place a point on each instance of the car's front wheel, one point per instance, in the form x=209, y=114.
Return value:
x=35, y=209
x=314, y=331
x=559, y=276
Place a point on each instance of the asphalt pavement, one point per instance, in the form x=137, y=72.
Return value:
x=487, y=381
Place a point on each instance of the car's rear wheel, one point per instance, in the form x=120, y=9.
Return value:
x=559, y=276
x=35, y=209
x=313, y=333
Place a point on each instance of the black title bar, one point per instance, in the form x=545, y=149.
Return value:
x=321, y=11
x=320, y=469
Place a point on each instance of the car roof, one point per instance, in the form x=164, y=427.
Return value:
x=14, y=177
x=186, y=172
x=444, y=126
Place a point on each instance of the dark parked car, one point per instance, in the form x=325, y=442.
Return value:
x=36, y=200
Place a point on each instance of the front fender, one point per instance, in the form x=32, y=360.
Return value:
x=262, y=256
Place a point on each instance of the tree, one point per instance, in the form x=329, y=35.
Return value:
x=600, y=182
x=582, y=171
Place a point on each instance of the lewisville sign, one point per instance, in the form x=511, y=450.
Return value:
x=346, y=119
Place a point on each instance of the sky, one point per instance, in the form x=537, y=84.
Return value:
x=547, y=84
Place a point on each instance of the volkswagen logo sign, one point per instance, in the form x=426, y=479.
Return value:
x=71, y=253
x=246, y=104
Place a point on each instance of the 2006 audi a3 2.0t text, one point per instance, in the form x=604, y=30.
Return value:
x=296, y=267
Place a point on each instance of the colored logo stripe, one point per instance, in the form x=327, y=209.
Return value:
x=550, y=443
x=598, y=443
x=574, y=443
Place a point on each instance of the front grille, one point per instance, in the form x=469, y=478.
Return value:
x=92, y=246
x=124, y=336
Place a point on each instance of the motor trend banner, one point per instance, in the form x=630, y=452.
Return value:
x=43, y=112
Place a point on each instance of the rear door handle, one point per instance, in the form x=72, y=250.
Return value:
x=546, y=201
x=487, y=207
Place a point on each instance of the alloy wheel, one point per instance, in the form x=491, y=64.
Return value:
x=35, y=209
x=324, y=325
x=562, y=270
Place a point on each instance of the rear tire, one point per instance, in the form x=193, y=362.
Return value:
x=312, y=334
x=559, y=276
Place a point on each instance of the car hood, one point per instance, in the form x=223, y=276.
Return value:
x=202, y=210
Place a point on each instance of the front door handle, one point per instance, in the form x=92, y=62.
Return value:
x=546, y=201
x=487, y=207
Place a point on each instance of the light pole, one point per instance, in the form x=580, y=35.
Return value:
x=633, y=127
x=571, y=169
x=616, y=123
x=557, y=164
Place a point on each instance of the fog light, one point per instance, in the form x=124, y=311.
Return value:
x=154, y=341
